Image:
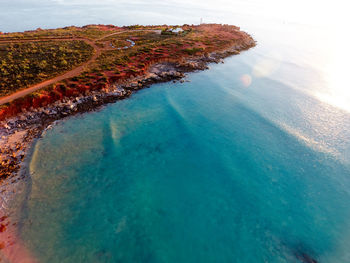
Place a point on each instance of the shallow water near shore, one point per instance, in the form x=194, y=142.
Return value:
x=247, y=162
x=201, y=171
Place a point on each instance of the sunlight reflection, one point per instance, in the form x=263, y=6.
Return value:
x=246, y=80
x=336, y=73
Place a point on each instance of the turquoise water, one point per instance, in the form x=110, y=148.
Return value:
x=247, y=162
x=191, y=172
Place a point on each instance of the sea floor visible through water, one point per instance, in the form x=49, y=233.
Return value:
x=243, y=164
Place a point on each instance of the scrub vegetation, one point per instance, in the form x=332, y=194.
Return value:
x=108, y=55
x=24, y=64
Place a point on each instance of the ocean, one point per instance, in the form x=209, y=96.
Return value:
x=248, y=161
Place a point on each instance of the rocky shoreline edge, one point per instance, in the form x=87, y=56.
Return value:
x=18, y=133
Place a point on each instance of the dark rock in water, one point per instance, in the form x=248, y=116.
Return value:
x=305, y=258
x=103, y=255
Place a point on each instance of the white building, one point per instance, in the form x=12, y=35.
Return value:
x=176, y=30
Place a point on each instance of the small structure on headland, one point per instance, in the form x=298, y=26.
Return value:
x=176, y=30
x=173, y=31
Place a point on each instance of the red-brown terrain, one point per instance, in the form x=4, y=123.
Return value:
x=110, y=64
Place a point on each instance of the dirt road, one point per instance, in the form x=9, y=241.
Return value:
x=72, y=73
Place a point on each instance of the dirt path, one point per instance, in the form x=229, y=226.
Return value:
x=72, y=73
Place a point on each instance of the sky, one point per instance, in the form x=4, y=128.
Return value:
x=19, y=15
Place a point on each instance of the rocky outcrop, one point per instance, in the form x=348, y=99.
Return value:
x=32, y=122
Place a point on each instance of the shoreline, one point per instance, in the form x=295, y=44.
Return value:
x=18, y=134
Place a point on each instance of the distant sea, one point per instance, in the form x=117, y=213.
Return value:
x=247, y=162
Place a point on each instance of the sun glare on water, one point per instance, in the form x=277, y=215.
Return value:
x=333, y=52
x=333, y=18
x=336, y=72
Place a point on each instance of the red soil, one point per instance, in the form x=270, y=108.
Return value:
x=69, y=86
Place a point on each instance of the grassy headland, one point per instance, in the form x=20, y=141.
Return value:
x=107, y=55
